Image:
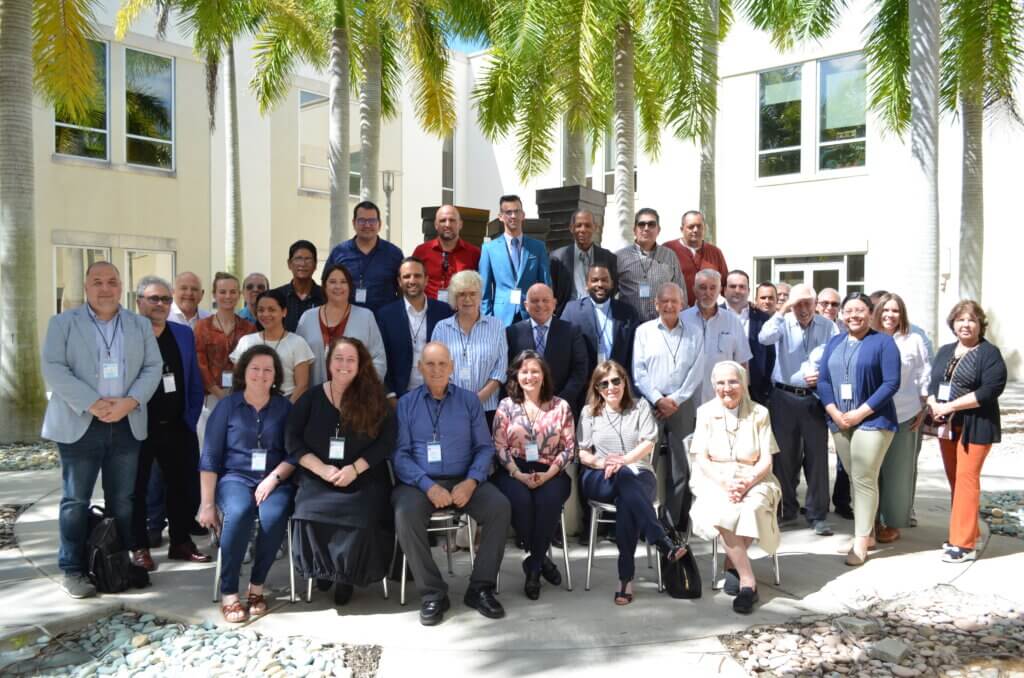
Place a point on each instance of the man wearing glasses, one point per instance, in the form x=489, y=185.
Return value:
x=373, y=262
x=447, y=254
x=645, y=266
x=301, y=293
x=510, y=264
x=253, y=284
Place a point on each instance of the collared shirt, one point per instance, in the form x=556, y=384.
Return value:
x=165, y=407
x=235, y=429
x=637, y=268
x=517, y=260
x=110, y=349
x=178, y=316
x=376, y=272
x=743, y=315
x=547, y=331
x=418, y=332
x=463, y=257
x=297, y=306
x=695, y=259
x=797, y=351
x=723, y=338
x=245, y=314
x=582, y=262
x=478, y=356
x=605, y=329
x=668, y=363
x=460, y=428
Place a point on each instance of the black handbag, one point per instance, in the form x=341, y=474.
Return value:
x=681, y=577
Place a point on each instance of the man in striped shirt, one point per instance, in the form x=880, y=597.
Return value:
x=645, y=266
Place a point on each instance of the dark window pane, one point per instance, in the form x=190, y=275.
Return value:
x=855, y=267
x=354, y=184
x=448, y=162
x=447, y=197
x=148, y=93
x=842, y=155
x=775, y=164
x=71, y=141
x=850, y=289
x=763, y=269
x=842, y=99
x=96, y=117
x=826, y=278
x=609, y=183
x=151, y=153
x=780, y=108
x=590, y=182
x=791, y=277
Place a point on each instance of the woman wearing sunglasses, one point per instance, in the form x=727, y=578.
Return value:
x=617, y=439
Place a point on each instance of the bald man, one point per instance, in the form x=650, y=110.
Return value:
x=569, y=264
x=188, y=294
x=560, y=342
x=447, y=254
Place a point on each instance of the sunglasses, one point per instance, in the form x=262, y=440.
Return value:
x=608, y=383
x=647, y=224
x=156, y=299
x=259, y=288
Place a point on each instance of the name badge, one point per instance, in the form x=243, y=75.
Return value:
x=225, y=379
x=645, y=291
x=169, y=385
x=532, y=453
x=433, y=452
x=111, y=369
x=515, y=296
x=442, y=296
x=846, y=391
x=360, y=295
x=944, y=391
x=259, y=459
x=337, y=450
x=464, y=374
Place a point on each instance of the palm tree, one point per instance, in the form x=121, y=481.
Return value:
x=47, y=41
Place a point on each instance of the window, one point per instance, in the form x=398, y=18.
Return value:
x=139, y=264
x=609, y=164
x=842, y=118
x=843, y=272
x=149, y=109
x=448, y=171
x=314, y=128
x=88, y=139
x=779, y=124
x=69, y=267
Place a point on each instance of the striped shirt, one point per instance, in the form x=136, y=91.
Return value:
x=668, y=363
x=476, y=357
x=637, y=269
x=618, y=433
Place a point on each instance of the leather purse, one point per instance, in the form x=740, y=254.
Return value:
x=942, y=430
x=681, y=577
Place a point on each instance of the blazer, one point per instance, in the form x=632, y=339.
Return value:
x=876, y=379
x=194, y=391
x=499, y=281
x=564, y=352
x=563, y=271
x=980, y=426
x=762, y=362
x=72, y=372
x=393, y=323
x=625, y=320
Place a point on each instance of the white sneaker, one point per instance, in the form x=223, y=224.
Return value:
x=955, y=554
x=78, y=586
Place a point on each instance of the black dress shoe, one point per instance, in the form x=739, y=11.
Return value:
x=484, y=602
x=844, y=512
x=732, y=582
x=550, y=572
x=556, y=540
x=342, y=594
x=744, y=601
x=432, y=611
x=532, y=586
x=155, y=538
x=324, y=584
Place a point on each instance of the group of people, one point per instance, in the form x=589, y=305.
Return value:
x=483, y=380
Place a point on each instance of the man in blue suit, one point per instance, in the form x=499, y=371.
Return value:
x=172, y=443
x=406, y=325
x=752, y=318
x=510, y=264
x=101, y=364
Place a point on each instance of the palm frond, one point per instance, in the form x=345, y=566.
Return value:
x=887, y=51
x=682, y=59
x=287, y=36
x=65, y=72
x=494, y=95
x=1005, y=55
x=534, y=129
x=433, y=91
x=128, y=13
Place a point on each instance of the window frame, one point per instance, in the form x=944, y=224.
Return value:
x=128, y=288
x=106, y=102
x=758, y=152
x=819, y=125
x=448, y=192
x=807, y=264
x=107, y=253
x=326, y=168
x=174, y=113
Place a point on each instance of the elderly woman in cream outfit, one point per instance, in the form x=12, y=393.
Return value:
x=736, y=493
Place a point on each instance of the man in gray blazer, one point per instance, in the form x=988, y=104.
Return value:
x=102, y=364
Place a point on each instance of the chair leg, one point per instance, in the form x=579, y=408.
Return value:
x=565, y=555
x=661, y=581
x=291, y=564
x=471, y=526
x=650, y=563
x=714, y=565
x=309, y=590
x=216, y=577
x=384, y=583
x=775, y=563
x=449, y=547
x=594, y=515
x=401, y=589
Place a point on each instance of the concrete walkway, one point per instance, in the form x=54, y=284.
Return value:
x=568, y=633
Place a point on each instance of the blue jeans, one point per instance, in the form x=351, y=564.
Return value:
x=237, y=503
x=108, y=447
x=633, y=496
x=535, y=513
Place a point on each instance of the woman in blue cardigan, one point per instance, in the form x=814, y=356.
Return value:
x=858, y=377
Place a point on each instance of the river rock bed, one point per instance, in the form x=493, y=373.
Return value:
x=8, y=514
x=940, y=632
x=38, y=456
x=142, y=645
x=1004, y=512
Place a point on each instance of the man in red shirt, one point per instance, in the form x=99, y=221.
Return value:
x=695, y=254
x=447, y=254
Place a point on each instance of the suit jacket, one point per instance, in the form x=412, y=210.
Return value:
x=580, y=312
x=72, y=372
x=194, y=392
x=564, y=351
x=499, y=281
x=394, y=331
x=563, y=271
x=763, y=360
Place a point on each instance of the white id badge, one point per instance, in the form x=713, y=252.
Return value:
x=433, y=452
x=846, y=391
x=259, y=459
x=532, y=453
x=226, y=378
x=464, y=373
x=111, y=369
x=515, y=296
x=360, y=295
x=337, y=449
x=645, y=291
x=169, y=386
x=944, y=391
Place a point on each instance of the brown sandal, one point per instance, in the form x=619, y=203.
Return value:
x=257, y=604
x=234, y=613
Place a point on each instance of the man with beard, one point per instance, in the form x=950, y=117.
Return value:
x=447, y=254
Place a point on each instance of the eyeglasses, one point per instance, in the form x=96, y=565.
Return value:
x=605, y=384
x=156, y=299
x=302, y=260
x=646, y=224
x=829, y=303
x=252, y=286
x=371, y=221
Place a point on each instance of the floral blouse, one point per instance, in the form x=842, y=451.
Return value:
x=553, y=431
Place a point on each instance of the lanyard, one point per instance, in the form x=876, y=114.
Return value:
x=337, y=406
x=679, y=343
x=463, y=339
x=617, y=429
x=644, y=257
x=263, y=338
x=103, y=335
x=848, y=361
x=530, y=422
x=415, y=331
x=435, y=420
x=601, y=327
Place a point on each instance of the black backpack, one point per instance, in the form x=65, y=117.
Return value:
x=110, y=567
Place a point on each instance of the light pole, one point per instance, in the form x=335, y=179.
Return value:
x=389, y=187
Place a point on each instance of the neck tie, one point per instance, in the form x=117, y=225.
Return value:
x=516, y=255
x=539, y=338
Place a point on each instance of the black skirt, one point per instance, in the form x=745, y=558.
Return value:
x=351, y=555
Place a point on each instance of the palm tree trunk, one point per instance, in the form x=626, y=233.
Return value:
x=625, y=128
x=923, y=183
x=575, y=158
x=22, y=398
x=337, y=134
x=369, y=123
x=235, y=262
x=972, y=202
x=707, y=144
